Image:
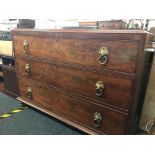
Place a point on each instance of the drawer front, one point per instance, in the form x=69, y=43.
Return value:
x=103, y=88
x=100, y=119
x=118, y=55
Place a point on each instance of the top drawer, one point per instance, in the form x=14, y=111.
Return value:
x=118, y=55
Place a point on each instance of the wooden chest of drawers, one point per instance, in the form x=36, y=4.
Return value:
x=90, y=79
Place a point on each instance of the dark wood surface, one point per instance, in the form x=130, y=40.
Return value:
x=84, y=52
x=64, y=69
x=117, y=90
x=137, y=93
x=76, y=109
x=1, y=85
x=10, y=82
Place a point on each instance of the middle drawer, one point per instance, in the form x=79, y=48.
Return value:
x=102, y=88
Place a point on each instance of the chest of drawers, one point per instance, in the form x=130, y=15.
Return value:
x=90, y=79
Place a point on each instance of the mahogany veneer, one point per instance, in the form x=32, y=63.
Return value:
x=91, y=78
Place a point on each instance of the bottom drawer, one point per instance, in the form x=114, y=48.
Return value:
x=95, y=117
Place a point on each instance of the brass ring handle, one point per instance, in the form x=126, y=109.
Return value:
x=29, y=93
x=97, y=119
x=99, y=88
x=103, y=58
x=99, y=92
x=27, y=70
x=25, y=46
